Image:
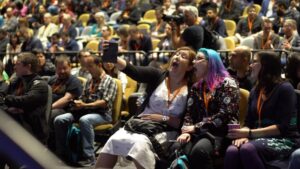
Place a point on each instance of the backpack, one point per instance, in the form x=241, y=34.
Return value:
x=210, y=39
x=74, y=143
x=181, y=161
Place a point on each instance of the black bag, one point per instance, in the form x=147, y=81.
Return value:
x=149, y=128
x=210, y=39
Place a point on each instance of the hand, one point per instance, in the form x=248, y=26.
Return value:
x=239, y=142
x=184, y=138
x=238, y=133
x=153, y=117
x=286, y=46
x=79, y=104
x=188, y=129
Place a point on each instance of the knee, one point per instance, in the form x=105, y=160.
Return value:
x=247, y=149
x=295, y=155
x=84, y=121
x=59, y=120
x=201, y=150
x=232, y=151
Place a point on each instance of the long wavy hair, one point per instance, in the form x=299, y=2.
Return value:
x=270, y=73
x=216, y=70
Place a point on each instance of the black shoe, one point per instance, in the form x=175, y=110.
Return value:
x=87, y=162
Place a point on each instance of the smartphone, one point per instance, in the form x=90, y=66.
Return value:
x=110, y=52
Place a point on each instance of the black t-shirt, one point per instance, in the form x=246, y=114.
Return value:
x=193, y=36
x=71, y=85
x=244, y=82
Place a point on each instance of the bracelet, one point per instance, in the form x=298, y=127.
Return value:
x=250, y=134
x=165, y=118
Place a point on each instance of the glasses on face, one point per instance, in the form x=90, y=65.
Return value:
x=199, y=58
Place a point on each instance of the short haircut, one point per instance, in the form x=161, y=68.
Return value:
x=28, y=58
x=244, y=52
x=266, y=20
x=292, y=23
x=123, y=30
x=37, y=51
x=252, y=6
x=214, y=9
x=133, y=29
x=192, y=10
x=62, y=59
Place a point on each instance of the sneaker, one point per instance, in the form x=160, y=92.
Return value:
x=87, y=162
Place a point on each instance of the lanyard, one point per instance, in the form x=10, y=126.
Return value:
x=95, y=83
x=205, y=98
x=176, y=92
x=259, y=106
x=263, y=43
x=250, y=24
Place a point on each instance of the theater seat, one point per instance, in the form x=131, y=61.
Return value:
x=243, y=105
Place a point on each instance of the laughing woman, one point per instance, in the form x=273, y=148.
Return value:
x=164, y=105
x=212, y=104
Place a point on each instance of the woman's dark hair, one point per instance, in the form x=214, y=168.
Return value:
x=270, y=73
x=292, y=68
x=14, y=35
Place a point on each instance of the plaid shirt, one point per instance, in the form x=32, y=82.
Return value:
x=106, y=90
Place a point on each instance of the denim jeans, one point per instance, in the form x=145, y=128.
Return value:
x=295, y=160
x=86, y=123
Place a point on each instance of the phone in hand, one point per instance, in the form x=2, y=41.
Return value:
x=110, y=52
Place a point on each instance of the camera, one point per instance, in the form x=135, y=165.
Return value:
x=178, y=19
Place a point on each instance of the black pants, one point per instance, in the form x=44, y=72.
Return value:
x=200, y=153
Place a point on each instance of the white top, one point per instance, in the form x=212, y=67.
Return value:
x=124, y=143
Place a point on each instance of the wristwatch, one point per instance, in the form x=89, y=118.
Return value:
x=165, y=118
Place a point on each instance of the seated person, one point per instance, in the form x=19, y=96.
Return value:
x=266, y=39
x=249, y=25
x=93, y=108
x=212, y=104
x=45, y=67
x=214, y=23
x=65, y=87
x=231, y=9
x=68, y=44
x=269, y=128
x=4, y=81
x=239, y=66
x=26, y=97
x=132, y=13
x=106, y=31
x=29, y=42
x=158, y=28
x=293, y=70
x=164, y=104
x=114, y=72
x=289, y=34
x=81, y=71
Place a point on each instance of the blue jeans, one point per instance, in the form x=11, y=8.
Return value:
x=295, y=160
x=86, y=123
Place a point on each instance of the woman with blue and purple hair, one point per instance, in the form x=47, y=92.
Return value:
x=212, y=104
